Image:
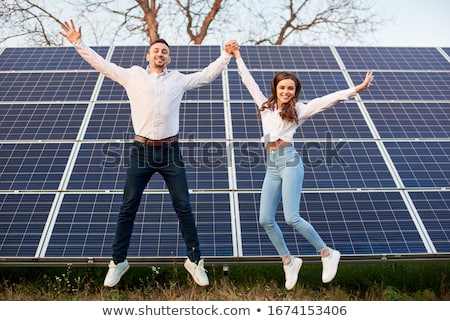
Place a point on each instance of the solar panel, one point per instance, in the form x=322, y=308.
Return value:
x=85, y=226
x=392, y=58
x=38, y=59
x=22, y=221
x=36, y=121
x=37, y=166
x=327, y=165
x=343, y=121
x=376, y=167
x=314, y=84
x=183, y=57
x=407, y=85
x=355, y=223
x=421, y=164
x=447, y=51
x=433, y=208
x=45, y=87
x=410, y=119
x=113, y=91
x=102, y=166
x=288, y=58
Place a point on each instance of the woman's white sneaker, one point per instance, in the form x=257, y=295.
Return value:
x=291, y=272
x=330, y=265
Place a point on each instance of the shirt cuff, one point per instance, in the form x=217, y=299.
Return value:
x=79, y=43
x=226, y=54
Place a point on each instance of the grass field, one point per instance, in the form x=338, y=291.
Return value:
x=354, y=282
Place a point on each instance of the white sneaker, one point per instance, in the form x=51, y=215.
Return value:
x=115, y=272
x=330, y=266
x=291, y=272
x=197, y=271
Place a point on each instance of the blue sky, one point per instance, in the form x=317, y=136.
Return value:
x=415, y=23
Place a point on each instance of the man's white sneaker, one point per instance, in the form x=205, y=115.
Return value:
x=197, y=271
x=291, y=272
x=115, y=272
x=330, y=265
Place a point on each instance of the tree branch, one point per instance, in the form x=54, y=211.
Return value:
x=150, y=18
x=197, y=38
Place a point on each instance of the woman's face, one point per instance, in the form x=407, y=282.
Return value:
x=285, y=91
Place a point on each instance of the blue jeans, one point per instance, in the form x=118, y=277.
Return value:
x=144, y=162
x=283, y=181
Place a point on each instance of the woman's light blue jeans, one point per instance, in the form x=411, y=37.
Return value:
x=283, y=181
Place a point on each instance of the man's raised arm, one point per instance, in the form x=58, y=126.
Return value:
x=110, y=70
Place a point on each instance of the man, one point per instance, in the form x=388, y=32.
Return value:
x=155, y=96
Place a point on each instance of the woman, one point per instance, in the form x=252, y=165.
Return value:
x=281, y=114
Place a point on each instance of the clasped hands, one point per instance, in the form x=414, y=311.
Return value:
x=231, y=46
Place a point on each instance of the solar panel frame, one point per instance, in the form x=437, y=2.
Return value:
x=390, y=199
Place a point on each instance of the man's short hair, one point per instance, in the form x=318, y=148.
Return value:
x=160, y=40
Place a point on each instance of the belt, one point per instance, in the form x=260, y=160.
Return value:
x=156, y=143
x=277, y=144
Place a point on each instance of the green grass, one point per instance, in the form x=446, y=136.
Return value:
x=377, y=281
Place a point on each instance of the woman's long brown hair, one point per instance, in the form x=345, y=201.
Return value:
x=287, y=111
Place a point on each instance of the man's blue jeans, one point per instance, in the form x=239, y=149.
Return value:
x=284, y=181
x=144, y=162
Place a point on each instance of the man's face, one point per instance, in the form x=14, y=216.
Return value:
x=158, y=56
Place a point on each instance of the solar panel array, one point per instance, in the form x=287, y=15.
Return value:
x=377, y=167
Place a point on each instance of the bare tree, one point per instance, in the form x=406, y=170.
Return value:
x=27, y=19
x=189, y=21
x=150, y=9
x=189, y=10
x=308, y=21
x=138, y=16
